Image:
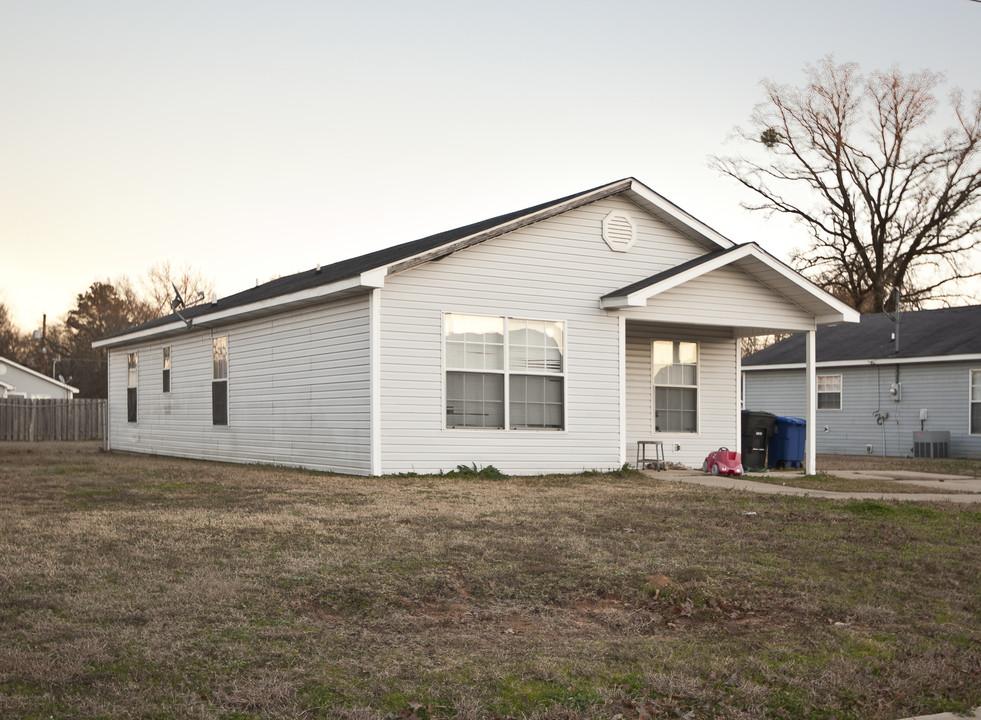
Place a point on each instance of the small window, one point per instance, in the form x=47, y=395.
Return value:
x=976, y=402
x=132, y=377
x=166, y=369
x=675, y=380
x=829, y=392
x=504, y=373
x=219, y=381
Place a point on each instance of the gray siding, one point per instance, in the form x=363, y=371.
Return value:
x=940, y=388
x=298, y=392
x=554, y=270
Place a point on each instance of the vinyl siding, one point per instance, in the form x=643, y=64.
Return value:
x=31, y=385
x=297, y=392
x=554, y=270
x=716, y=393
x=940, y=388
x=748, y=303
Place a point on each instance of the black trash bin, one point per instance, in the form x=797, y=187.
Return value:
x=757, y=430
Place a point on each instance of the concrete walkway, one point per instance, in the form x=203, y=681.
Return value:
x=967, y=490
x=948, y=716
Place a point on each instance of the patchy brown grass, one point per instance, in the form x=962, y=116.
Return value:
x=151, y=587
x=835, y=483
x=945, y=466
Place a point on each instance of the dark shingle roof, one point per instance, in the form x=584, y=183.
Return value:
x=380, y=258
x=925, y=333
x=671, y=272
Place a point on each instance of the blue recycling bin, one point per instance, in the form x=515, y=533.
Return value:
x=787, y=444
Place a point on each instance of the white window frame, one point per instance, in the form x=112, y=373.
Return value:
x=215, y=378
x=973, y=385
x=697, y=387
x=841, y=392
x=167, y=355
x=506, y=373
x=133, y=383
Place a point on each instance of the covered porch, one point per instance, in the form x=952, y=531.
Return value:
x=680, y=347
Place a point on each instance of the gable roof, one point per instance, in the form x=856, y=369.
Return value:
x=35, y=374
x=754, y=261
x=945, y=333
x=369, y=270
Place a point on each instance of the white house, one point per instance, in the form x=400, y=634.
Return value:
x=894, y=385
x=550, y=339
x=17, y=381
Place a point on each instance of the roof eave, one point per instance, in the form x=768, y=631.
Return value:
x=680, y=220
x=833, y=311
x=42, y=376
x=364, y=281
x=964, y=357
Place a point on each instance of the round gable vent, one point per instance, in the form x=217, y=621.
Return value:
x=619, y=231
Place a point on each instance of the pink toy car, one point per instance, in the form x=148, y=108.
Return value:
x=723, y=462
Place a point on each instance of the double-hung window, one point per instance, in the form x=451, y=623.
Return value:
x=166, y=369
x=219, y=381
x=976, y=402
x=504, y=373
x=829, y=392
x=675, y=379
x=132, y=378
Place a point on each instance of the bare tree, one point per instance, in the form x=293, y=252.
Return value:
x=754, y=343
x=886, y=201
x=14, y=343
x=157, y=286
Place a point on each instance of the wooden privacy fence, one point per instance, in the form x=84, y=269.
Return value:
x=37, y=420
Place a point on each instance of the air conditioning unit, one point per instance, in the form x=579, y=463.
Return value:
x=931, y=444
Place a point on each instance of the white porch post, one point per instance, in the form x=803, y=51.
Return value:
x=622, y=371
x=811, y=429
x=374, y=381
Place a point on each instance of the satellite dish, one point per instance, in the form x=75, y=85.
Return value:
x=61, y=378
x=178, y=301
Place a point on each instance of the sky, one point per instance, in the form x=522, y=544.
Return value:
x=257, y=139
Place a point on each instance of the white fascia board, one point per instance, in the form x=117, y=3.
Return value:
x=367, y=280
x=668, y=208
x=6, y=386
x=640, y=297
x=374, y=278
x=839, y=312
x=877, y=361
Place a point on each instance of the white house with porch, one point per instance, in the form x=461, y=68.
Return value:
x=551, y=339
x=19, y=382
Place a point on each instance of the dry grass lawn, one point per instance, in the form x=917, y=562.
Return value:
x=161, y=588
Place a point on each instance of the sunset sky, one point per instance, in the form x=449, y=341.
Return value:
x=256, y=139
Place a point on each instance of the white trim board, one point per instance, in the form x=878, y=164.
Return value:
x=862, y=363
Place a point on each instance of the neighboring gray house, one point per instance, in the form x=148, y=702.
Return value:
x=17, y=381
x=881, y=381
x=550, y=339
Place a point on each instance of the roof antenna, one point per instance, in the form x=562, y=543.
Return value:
x=177, y=304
